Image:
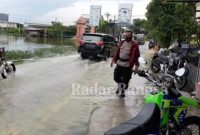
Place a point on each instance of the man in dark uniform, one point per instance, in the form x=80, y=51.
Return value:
x=126, y=58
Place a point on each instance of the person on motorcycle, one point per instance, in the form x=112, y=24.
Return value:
x=153, y=49
x=126, y=58
x=152, y=44
x=173, y=47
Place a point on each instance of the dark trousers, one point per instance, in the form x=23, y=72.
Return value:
x=122, y=76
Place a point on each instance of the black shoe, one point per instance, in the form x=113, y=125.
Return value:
x=122, y=94
x=117, y=91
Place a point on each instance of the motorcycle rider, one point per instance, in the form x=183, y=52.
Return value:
x=152, y=44
x=126, y=58
x=153, y=49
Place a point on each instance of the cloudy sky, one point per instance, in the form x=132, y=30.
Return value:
x=66, y=11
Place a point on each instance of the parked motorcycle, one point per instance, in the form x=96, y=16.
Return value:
x=164, y=112
x=163, y=64
x=6, y=67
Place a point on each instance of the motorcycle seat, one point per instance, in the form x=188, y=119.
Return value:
x=146, y=122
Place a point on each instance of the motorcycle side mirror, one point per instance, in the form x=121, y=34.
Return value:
x=142, y=60
x=180, y=72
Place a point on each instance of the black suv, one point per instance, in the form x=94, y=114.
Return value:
x=97, y=45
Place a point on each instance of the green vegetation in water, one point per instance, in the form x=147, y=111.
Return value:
x=11, y=31
x=41, y=53
x=58, y=30
x=51, y=41
x=68, y=42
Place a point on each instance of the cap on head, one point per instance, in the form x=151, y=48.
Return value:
x=128, y=30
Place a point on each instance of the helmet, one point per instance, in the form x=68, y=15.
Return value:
x=152, y=43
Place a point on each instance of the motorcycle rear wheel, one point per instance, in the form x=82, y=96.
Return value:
x=5, y=73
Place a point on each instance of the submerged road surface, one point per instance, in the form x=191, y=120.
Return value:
x=65, y=96
x=53, y=96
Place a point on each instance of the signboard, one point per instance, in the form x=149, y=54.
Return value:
x=95, y=15
x=125, y=14
x=3, y=17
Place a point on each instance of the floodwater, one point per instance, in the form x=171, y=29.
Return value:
x=65, y=96
x=50, y=96
x=27, y=43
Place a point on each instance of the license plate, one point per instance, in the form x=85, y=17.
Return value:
x=90, y=46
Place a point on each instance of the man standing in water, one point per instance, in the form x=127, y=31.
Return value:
x=126, y=58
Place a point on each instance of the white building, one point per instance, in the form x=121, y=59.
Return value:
x=4, y=24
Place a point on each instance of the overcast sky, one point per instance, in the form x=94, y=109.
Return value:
x=66, y=11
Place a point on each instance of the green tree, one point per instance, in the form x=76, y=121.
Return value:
x=69, y=31
x=138, y=25
x=56, y=29
x=171, y=21
x=102, y=26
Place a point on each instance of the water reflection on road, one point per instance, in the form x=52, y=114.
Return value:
x=28, y=43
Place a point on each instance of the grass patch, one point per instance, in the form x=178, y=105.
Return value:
x=17, y=62
x=41, y=53
x=68, y=42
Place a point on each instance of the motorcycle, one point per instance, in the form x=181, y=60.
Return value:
x=169, y=64
x=164, y=112
x=6, y=67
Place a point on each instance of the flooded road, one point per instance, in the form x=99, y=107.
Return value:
x=38, y=100
x=65, y=96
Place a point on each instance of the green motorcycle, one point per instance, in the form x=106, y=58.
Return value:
x=173, y=109
x=164, y=112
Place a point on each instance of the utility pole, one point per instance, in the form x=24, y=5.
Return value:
x=114, y=26
x=61, y=35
